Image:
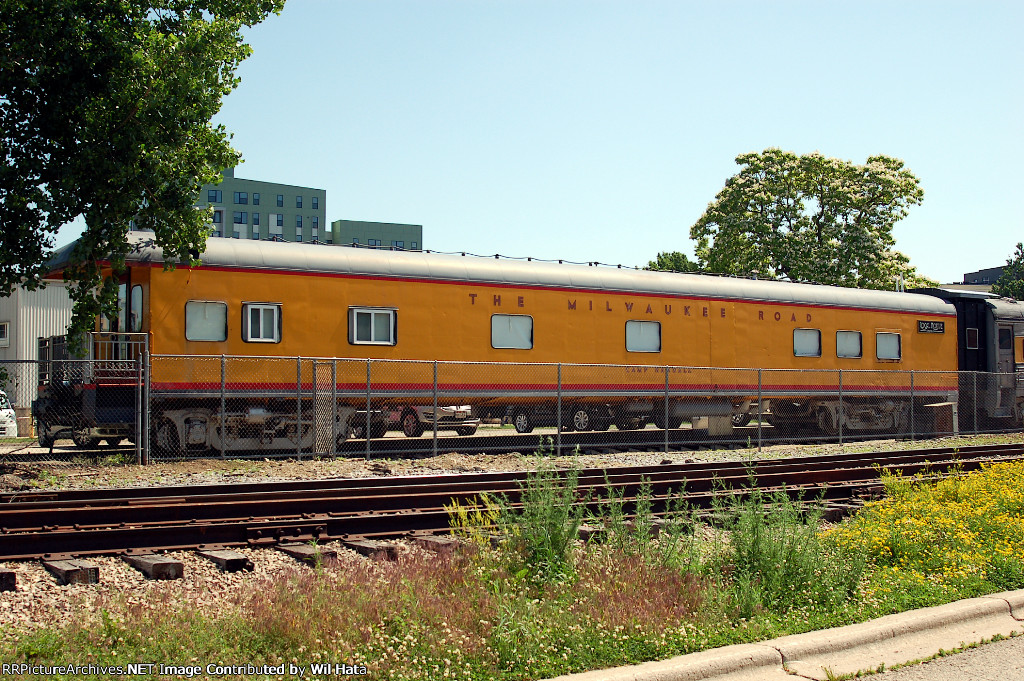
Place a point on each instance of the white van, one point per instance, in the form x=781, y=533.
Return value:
x=8, y=420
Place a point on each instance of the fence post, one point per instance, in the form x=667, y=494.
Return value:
x=666, y=410
x=298, y=408
x=334, y=406
x=146, y=397
x=975, y=401
x=760, y=409
x=138, y=408
x=223, y=401
x=434, y=443
x=839, y=416
x=913, y=428
x=366, y=421
x=558, y=415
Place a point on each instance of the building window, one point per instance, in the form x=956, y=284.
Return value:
x=888, y=346
x=255, y=219
x=298, y=236
x=314, y=233
x=355, y=242
x=261, y=322
x=215, y=232
x=241, y=197
x=643, y=336
x=398, y=244
x=206, y=321
x=373, y=242
x=214, y=196
x=255, y=198
x=298, y=202
x=316, y=203
x=512, y=331
x=241, y=218
x=298, y=222
x=372, y=326
x=414, y=246
x=807, y=342
x=316, y=222
x=256, y=233
x=280, y=200
x=218, y=217
x=280, y=219
x=5, y=334
x=848, y=344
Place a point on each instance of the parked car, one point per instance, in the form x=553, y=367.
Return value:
x=8, y=419
x=414, y=420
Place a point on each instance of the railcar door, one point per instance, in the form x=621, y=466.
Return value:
x=1007, y=379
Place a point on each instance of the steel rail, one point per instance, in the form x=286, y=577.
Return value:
x=393, y=507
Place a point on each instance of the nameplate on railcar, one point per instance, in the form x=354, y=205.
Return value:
x=930, y=327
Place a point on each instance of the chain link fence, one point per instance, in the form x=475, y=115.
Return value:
x=298, y=407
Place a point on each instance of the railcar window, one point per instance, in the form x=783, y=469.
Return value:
x=5, y=334
x=888, y=346
x=206, y=321
x=972, y=339
x=643, y=336
x=372, y=326
x=135, y=315
x=849, y=344
x=261, y=322
x=512, y=331
x=1005, y=339
x=807, y=342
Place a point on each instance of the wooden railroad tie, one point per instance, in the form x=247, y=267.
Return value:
x=308, y=553
x=228, y=561
x=372, y=548
x=155, y=566
x=73, y=571
x=8, y=580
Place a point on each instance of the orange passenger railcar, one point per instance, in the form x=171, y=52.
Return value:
x=613, y=339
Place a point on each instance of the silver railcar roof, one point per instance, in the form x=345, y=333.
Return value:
x=343, y=260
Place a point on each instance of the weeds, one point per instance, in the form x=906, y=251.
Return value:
x=543, y=604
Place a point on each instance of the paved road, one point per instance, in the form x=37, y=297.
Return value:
x=1000, y=661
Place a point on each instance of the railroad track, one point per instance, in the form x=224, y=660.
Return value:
x=74, y=523
x=501, y=442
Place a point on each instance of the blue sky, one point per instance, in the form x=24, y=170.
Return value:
x=600, y=130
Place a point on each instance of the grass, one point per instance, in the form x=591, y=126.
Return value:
x=539, y=603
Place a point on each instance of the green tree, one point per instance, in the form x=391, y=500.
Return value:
x=810, y=218
x=105, y=110
x=673, y=261
x=1011, y=281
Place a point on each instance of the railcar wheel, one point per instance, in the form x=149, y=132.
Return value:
x=378, y=430
x=740, y=420
x=522, y=422
x=111, y=441
x=826, y=424
x=628, y=423
x=467, y=430
x=165, y=437
x=411, y=425
x=673, y=421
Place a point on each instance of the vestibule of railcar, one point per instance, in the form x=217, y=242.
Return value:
x=990, y=355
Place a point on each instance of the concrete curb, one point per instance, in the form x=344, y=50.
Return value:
x=890, y=640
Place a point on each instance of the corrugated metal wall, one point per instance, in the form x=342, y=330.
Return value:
x=46, y=312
